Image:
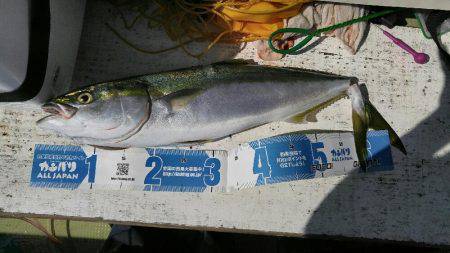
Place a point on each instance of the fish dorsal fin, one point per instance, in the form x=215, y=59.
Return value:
x=238, y=62
x=180, y=99
x=310, y=114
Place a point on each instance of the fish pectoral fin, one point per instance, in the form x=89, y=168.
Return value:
x=180, y=99
x=155, y=93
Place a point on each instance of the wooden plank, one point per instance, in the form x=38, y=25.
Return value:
x=409, y=203
x=416, y=4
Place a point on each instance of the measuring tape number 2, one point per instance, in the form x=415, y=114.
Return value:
x=211, y=171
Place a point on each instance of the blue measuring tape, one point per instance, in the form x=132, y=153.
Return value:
x=282, y=158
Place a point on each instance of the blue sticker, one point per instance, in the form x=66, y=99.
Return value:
x=283, y=158
x=295, y=156
x=181, y=170
x=61, y=166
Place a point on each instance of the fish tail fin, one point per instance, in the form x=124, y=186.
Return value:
x=377, y=122
x=365, y=116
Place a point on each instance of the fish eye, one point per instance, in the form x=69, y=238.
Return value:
x=85, y=98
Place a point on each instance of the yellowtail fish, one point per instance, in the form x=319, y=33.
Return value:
x=204, y=104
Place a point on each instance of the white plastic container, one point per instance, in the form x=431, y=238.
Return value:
x=38, y=48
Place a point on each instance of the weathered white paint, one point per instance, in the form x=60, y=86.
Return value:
x=418, y=4
x=409, y=203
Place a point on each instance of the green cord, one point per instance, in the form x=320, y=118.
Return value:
x=309, y=35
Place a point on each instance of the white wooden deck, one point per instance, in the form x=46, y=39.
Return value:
x=410, y=203
x=419, y=4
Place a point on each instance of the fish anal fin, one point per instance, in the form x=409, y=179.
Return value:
x=311, y=117
x=108, y=148
x=297, y=119
x=194, y=143
x=311, y=114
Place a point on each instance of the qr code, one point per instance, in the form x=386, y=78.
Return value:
x=122, y=169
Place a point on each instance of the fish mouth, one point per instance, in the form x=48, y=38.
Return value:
x=63, y=110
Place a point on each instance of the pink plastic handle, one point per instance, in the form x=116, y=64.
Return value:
x=420, y=58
